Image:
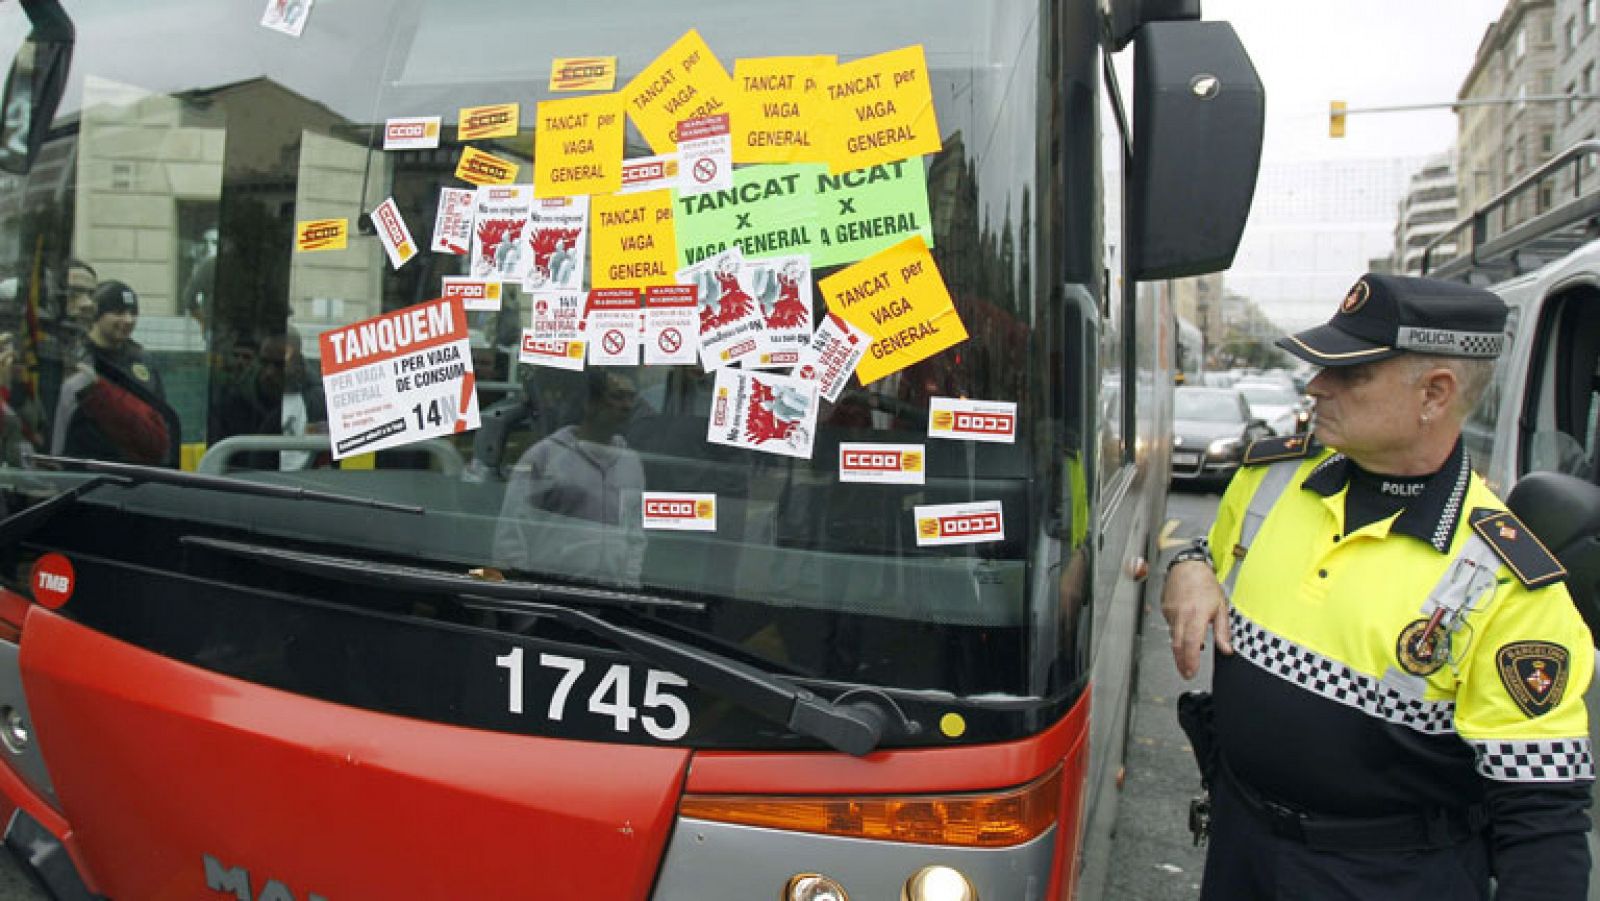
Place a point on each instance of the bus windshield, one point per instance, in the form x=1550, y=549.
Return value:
x=201, y=259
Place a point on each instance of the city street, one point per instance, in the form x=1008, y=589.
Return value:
x=1153, y=857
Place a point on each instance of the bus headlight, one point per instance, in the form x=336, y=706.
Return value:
x=938, y=883
x=814, y=887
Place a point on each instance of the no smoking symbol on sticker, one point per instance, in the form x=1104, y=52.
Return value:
x=705, y=170
x=612, y=342
x=670, y=340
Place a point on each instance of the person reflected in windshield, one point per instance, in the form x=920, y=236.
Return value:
x=113, y=407
x=271, y=394
x=305, y=409
x=64, y=328
x=571, y=506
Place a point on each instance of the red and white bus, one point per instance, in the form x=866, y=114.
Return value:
x=324, y=578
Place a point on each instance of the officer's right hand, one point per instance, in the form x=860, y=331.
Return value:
x=1192, y=602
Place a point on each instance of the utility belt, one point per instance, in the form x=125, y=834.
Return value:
x=1433, y=829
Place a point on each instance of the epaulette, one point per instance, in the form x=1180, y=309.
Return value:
x=1283, y=447
x=1517, y=546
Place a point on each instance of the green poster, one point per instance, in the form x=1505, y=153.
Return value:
x=774, y=211
x=860, y=213
x=770, y=211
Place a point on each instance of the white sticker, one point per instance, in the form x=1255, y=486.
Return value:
x=287, y=16
x=680, y=512
x=760, y=411
x=832, y=356
x=649, y=173
x=500, y=215
x=557, y=234
x=475, y=294
x=705, y=151
x=452, y=225
x=891, y=464
x=671, y=325
x=566, y=355
x=970, y=523
x=611, y=323
x=972, y=420
x=393, y=233
x=730, y=319
x=556, y=338
x=782, y=286
x=399, y=378
x=411, y=133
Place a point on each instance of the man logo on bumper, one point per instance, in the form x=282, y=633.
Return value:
x=1534, y=674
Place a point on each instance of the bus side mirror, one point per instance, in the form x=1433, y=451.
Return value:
x=1198, y=114
x=34, y=86
x=1564, y=511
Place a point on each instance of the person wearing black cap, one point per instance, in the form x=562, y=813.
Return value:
x=1398, y=686
x=114, y=406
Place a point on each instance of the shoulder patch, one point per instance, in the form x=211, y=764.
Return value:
x=1517, y=546
x=1534, y=674
x=1283, y=447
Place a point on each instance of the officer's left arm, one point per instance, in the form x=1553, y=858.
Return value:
x=1520, y=706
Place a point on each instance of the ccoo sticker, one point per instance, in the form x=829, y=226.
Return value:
x=974, y=523
x=52, y=580
x=679, y=512
x=895, y=464
x=972, y=420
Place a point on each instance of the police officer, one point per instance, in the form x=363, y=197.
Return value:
x=1398, y=692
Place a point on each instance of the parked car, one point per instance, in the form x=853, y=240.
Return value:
x=1211, y=427
x=1285, y=410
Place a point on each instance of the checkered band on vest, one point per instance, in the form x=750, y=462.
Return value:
x=1333, y=680
x=1554, y=760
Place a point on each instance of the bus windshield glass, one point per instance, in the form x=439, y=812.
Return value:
x=705, y=301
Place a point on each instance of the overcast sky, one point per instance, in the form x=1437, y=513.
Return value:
x=1366, y=53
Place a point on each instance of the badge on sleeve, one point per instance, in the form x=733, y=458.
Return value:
x=1534, y=674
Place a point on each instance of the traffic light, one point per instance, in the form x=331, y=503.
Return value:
x=1336, y=119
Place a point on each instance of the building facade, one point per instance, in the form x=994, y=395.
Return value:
x=1577, y=54
x=1426, y=212
x=1499, y=142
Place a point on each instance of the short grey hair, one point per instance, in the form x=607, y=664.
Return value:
x=1473, y=376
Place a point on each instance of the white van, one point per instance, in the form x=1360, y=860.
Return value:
x=1542, y=411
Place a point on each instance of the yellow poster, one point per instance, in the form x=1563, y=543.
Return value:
x=497, y=121
x=778, y=105
x=685, y=82
x=577, y=147
x=882, y=110
x=897, y=297
x=583, y=73
x=321, y=234
x=633, y=245
x=485, y=168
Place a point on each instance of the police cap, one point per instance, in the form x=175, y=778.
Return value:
x=1386, y=315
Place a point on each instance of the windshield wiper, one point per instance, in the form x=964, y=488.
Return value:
x=135, y=474
x=25, y=522
x=854, y=728
x=417, y=578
